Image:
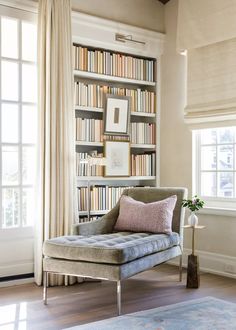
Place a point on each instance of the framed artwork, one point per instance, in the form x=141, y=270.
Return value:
x=117, y=155
x=117, y=114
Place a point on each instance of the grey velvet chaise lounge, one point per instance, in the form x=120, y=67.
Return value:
x=96, y=251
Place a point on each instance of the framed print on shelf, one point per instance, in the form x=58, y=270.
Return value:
x=117, y=114
x=117, y=155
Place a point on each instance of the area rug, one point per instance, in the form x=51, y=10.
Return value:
x=201, y=314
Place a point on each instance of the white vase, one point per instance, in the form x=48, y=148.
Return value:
x=193, y=219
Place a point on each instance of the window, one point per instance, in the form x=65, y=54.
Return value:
x=18, y=120
x=215, y=166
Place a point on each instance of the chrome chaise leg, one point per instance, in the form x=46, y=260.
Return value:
x=180, y=267
x=45, y=287
x=119, y=297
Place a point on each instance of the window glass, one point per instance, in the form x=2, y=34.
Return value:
x=18, y=120
x=215, y=175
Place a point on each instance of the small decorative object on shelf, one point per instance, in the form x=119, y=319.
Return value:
x=193, y=205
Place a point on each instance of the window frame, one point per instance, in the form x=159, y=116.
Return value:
x=213, y=205
x=20, y=17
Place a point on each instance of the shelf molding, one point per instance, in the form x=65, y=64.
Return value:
x=104, y=77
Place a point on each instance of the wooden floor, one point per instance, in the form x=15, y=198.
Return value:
x=21, y=306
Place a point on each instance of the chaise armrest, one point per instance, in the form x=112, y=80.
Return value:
x=104, y=225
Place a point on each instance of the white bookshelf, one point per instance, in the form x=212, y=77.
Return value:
x=96, y=33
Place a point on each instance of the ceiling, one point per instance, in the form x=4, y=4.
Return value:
x=164, y=1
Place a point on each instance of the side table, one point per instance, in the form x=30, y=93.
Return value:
x=193, y=275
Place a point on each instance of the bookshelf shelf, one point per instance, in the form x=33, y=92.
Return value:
x=101, y=110
x=143, y=114
x=98, y=212
x=90, y=144
x=108, y=78
x=88, y=109
x=93, y=179
x=143, y=146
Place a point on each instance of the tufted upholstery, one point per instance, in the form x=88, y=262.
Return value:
x=96, y=251
x=116, y=248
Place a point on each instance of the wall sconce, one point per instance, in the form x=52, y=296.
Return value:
x=129, y=38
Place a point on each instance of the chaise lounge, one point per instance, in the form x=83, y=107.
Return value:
x=97, y=250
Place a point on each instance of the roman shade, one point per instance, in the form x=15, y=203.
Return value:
x=207, y=30
x=211, y=85
x=205, y=22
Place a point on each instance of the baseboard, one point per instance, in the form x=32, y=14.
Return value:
x=21, y=267
x=16, y=282
x=213, y=263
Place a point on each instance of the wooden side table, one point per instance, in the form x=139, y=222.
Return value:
x=193, y=275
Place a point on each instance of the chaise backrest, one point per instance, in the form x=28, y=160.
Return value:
x=149, y=195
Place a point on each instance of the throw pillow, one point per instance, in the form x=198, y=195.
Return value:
x=153, y=217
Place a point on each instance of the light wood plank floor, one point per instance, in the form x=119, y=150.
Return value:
x=21, y=306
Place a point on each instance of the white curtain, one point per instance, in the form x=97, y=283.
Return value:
x=56, y=179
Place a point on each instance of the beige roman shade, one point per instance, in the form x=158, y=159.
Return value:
x=211, y=84
x=207, y=30
x=204, y=22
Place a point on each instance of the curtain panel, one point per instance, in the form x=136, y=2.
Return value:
x=56, y=178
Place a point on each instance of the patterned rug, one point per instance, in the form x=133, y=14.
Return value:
x=200, y=314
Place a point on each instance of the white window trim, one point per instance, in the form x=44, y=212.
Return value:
x=227, y=207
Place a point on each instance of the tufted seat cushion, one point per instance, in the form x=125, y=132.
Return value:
x=116, y=248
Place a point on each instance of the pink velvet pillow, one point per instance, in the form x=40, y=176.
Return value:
x=153, y=217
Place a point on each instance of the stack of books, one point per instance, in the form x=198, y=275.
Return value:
x=83, y=169
x=90, y=130
x=143, y=133
x=143, y=165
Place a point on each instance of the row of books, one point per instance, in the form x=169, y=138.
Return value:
x=91, y=95
x=143, y=165
x=102, y=197
x=83, y=169
x=105, y=62
x=90, y=130
x=143, y=133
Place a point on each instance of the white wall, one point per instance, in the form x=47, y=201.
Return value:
x=176, y=149
x=147, y=14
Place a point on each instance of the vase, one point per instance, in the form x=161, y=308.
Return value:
x=193, y=219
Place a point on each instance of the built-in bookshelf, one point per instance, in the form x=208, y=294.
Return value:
x=99, y=72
